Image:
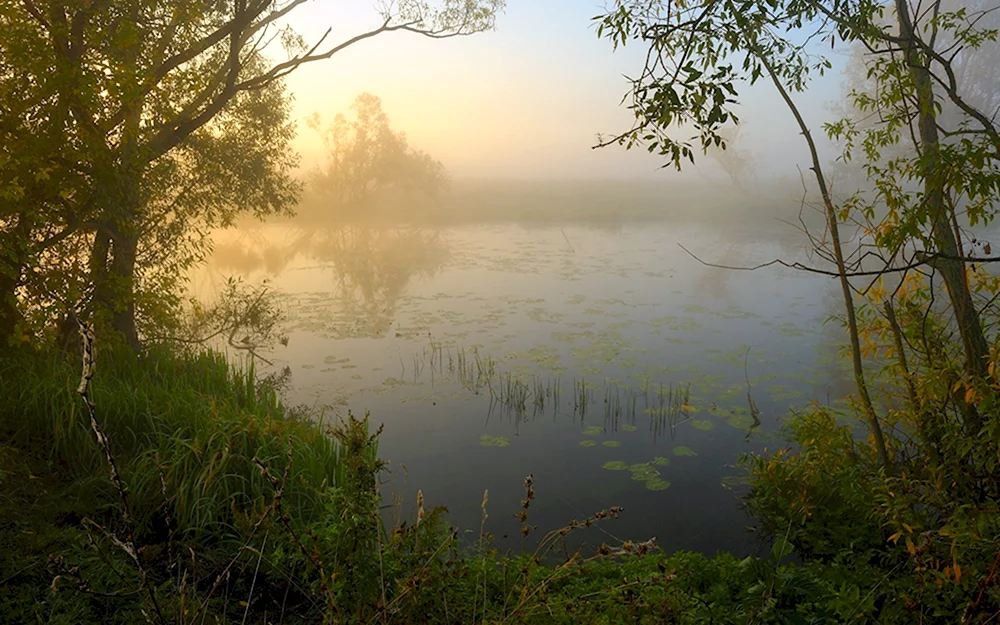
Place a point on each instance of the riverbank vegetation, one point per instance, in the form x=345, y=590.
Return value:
x=238, y=510
x=158, y=482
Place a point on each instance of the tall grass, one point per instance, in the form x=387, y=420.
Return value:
x=185, y=426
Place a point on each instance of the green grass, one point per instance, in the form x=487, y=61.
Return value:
x=189, y=425
x=203, y=450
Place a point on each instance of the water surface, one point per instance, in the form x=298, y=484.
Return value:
x=606, y=362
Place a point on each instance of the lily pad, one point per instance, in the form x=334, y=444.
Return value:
x=612, y=443
x=615, y=465
x=592, y=430
x=731, y=482
x=660, y=461
x=683, y=450
x=643, y=472
x=740, y=420
x=629, y=428
x=588, y=443
x=494, y=441
x=702, y=424
x=657, y=484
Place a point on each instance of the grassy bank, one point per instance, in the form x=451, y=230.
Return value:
x=237, y=511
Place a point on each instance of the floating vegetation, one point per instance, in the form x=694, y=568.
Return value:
x=683, y=450
x=732, y=482
x=702, y=424
x=781, y=393
x=588, y=443
x=592, y=430
x=739, y=418
x=657, y=484
x=643, y=471
x=615, y=465
x=661, y=461
x=487, y=440
x=790, y=329
x=629, y=428
x=612, y=443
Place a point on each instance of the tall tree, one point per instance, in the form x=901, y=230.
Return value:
x=366, y=156
x=701, y=53
x=139, y=96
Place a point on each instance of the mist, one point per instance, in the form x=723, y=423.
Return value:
x=499, y=311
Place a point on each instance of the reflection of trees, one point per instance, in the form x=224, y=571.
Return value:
x=744, y=250
x=372, y=266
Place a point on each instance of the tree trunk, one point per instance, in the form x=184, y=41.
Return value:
x=838, y=253
x=123, y=274
x=10, y=316
x=12, y=263
x=952, y=270
x=112, y=269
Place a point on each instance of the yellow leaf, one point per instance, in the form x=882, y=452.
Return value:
x=958, y=572
x=895, y=537
x=958, y=385
x=908, y=528
x=910, y=547
x=970, y=395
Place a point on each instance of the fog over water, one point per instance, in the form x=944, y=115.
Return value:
x=558, y=330
x=507, y=300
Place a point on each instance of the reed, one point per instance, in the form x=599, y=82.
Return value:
x=192, y=423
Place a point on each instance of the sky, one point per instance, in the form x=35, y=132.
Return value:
x=525, y=101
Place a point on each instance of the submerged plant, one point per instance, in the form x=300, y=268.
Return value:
x=487, y=440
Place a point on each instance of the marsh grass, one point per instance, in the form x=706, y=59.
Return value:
x=193, y=423
x=523, y=398
x=263, y=554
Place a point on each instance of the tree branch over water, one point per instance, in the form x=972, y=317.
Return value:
x=919, y=259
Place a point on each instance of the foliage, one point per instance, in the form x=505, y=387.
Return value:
x=366, y=158
x=922, y=518
x=130, y=128
x=189, y=421
x=820, y=497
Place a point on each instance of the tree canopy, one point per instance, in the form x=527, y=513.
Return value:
x=921, y=126
x=365, y=156
x=130, y=127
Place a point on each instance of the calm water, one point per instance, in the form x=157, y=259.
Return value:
x=448, y=337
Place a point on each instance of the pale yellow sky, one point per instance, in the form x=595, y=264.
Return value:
x=524, y=101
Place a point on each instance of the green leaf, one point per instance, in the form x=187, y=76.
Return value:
x=781, y=548
x=683, y=450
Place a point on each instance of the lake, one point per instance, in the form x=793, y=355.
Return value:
x=605, y=361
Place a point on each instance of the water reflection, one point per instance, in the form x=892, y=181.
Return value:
x=557, y=351
x=371, y=267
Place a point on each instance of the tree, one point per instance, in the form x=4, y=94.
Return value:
x=736, y=162
x=699, y=53
x=366, y=156
x=927, y=174
x=163, y=117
